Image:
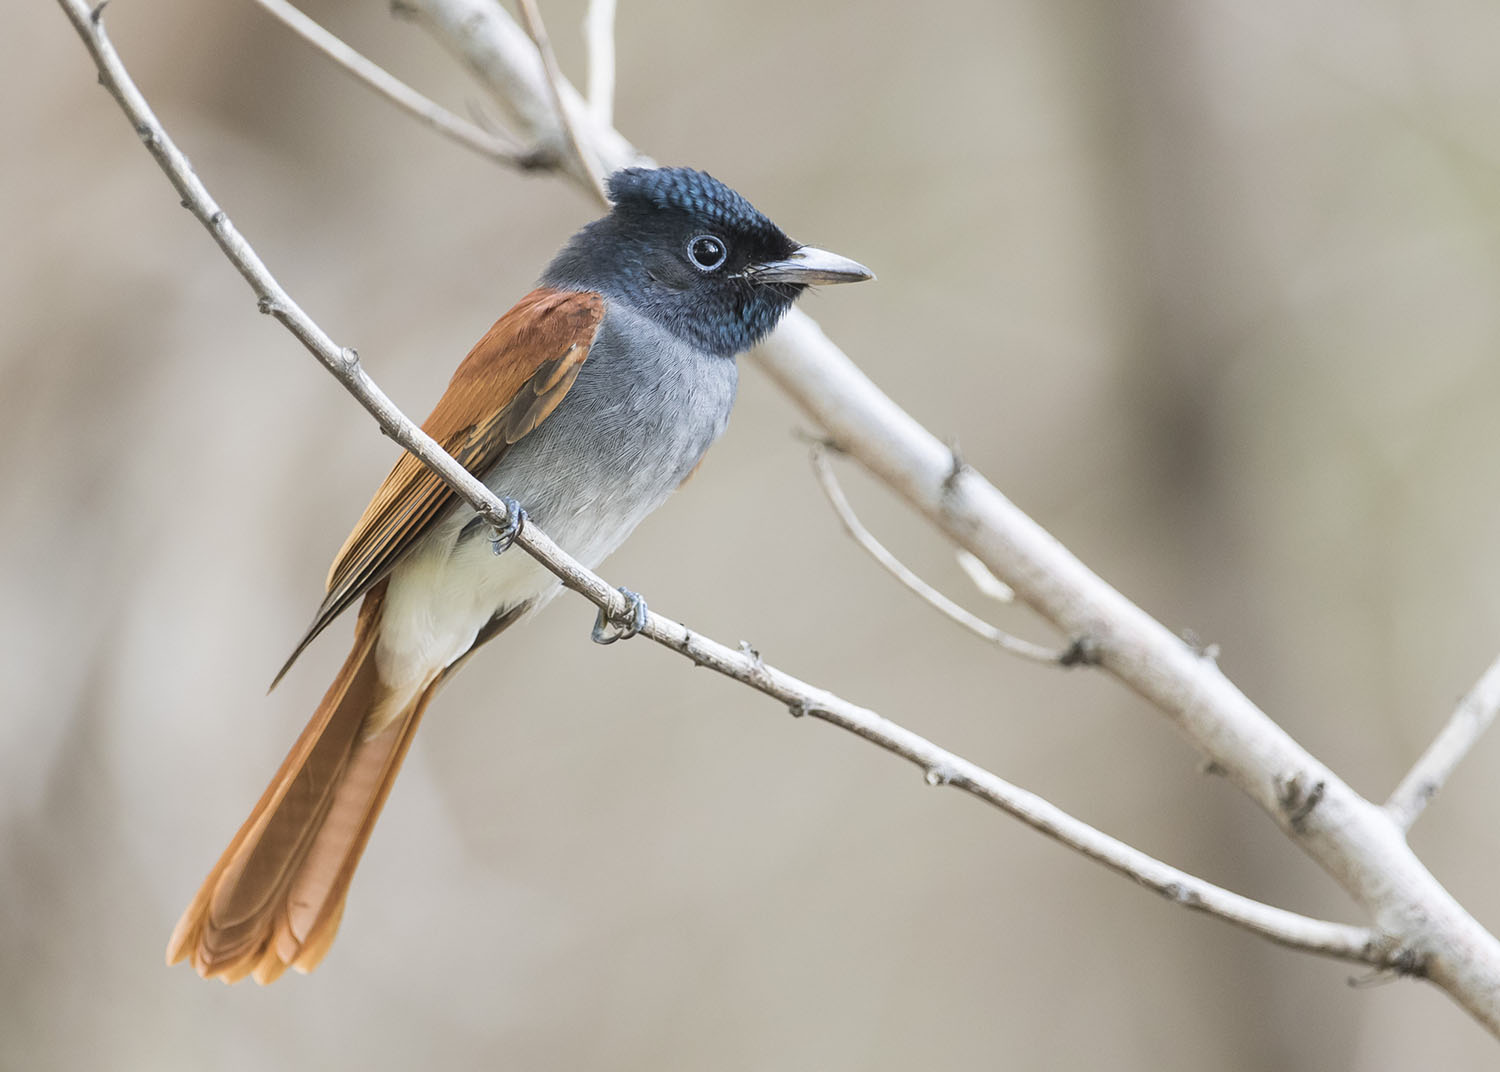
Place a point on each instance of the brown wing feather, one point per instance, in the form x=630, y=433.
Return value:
x=511, y=381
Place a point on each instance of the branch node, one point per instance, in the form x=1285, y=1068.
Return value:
x=1084, y=651
x=1410, y=962
x=801, y=709
x=1199, y=647
x=1297, y=800
x=1180, y=893
x=818, y=442
x=349, y=358
x=758, y=672
x=686, y=647
x=938, y=775
x=267, y=305
x=1404, y=963
x=538, y=158
x=96, y=16
x=956, y=469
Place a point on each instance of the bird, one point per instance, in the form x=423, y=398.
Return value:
x=584, y=407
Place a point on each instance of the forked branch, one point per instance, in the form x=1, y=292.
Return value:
x=913, y=581
x=500, y=149
x=940, y=766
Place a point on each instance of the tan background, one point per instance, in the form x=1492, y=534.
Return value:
x=1209, y=288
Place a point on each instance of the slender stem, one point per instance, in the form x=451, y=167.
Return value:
x=899, y=570
x=498, y=148
x=599, y=35
x=1474, y=714
x=587, y=164
x=940, y=766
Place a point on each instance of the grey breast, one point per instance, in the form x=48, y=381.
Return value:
x=644, y=409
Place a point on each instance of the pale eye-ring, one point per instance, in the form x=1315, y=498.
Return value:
x=707, y=252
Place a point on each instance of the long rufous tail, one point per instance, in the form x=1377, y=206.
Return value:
x=275, y=897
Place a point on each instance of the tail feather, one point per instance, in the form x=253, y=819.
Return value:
x=275, y=898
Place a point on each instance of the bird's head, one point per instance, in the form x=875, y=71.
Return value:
x=690, y=253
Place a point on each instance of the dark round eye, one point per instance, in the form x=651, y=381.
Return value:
x=707, y=251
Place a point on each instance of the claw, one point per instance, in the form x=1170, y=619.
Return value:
x=502, y=538
x=626, y=625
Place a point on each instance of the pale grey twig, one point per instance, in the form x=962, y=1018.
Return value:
x=599, y=35
x=1474, y=714
x=486, y=143
x=1351, y=838
x=913, y=581
x=940, y=766
x=588, y=165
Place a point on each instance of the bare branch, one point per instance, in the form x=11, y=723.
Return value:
x=940, y=767
x=483, y=37
x=599, y=34
x=899, y=570
x=486, y=143
x=588, y=165
x=1470, y=719
x=1351, y=838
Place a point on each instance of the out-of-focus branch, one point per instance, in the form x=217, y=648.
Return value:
x=599, y=34
x=1354, y=840
x=498, y=148
x=587, y=165
x=1474, y=714
x=941, y=767
x=504, y=60
x=1423, y=930
x=899, y=570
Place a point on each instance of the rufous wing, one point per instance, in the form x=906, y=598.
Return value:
x=511, y=381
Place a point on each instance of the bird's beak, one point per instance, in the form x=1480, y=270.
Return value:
x=809, y=266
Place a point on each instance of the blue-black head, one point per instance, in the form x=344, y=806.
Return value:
x=695, y=256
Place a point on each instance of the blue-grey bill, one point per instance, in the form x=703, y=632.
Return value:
x=811, y=266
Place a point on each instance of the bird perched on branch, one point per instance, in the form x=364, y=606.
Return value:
x=585, y=406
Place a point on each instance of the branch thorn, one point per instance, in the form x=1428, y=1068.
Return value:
x=939, y=775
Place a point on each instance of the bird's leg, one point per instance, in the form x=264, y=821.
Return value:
x=626, y=625
x=504, y=536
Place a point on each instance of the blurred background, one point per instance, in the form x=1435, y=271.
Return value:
x=1208, y=288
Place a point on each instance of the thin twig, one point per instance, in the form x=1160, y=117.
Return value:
x=940, y=767
x=493, y=145
x=588, y=166
x=1474, y=714
x=1353, y=840
x=899, y=570
x=599, y=34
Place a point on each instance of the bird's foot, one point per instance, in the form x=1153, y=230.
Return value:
x=625, y=625
x=504, y=536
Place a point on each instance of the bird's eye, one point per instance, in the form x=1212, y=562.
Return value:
x=707, y=252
